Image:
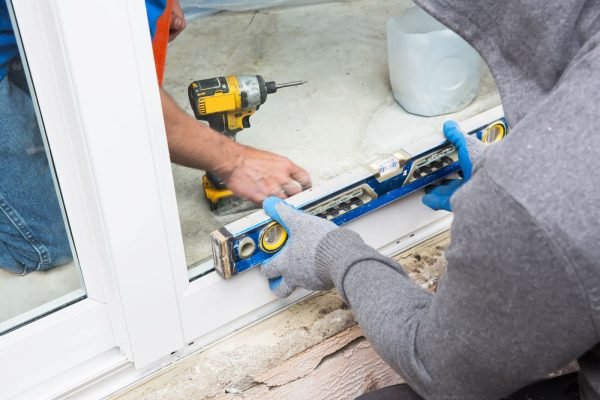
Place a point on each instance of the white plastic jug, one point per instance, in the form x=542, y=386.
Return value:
x=433, y=71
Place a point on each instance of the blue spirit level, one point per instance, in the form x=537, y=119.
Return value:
x=251, y=241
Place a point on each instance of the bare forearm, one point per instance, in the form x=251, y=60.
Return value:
x=193, y=144
x=252, y=174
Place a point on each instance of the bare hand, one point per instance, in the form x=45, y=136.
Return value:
x=178, y=22
x=258, y=174
x=252, y=174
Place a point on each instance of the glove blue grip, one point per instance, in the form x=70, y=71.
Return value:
x=269, y=207
x=457, y=138
x=274, y=283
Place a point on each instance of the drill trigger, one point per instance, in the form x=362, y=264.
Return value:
x=246, y=121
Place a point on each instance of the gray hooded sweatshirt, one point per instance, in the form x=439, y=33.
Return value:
x=521, y=296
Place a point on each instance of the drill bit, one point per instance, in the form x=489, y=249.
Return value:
x=290, y=84
x=272, y=86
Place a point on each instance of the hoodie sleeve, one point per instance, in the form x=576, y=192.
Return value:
x=497, y=322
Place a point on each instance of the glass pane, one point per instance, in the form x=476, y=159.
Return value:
x=38, y=268
x=342, y=118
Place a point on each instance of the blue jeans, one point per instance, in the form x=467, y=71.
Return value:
x=32, y=231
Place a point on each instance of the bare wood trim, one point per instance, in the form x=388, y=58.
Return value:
x=342, y=367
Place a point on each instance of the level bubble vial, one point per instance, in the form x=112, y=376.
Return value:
x=246, y=248
x=272, y=238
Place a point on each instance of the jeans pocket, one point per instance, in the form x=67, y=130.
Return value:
x=28, y=253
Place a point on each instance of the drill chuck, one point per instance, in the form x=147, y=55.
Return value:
x=271, y=87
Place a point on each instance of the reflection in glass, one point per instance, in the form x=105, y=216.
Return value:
x=37, y=271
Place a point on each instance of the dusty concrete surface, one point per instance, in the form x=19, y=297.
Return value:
x=344, y=117
x=233, y=362
x=425, y=263
x=245, y=361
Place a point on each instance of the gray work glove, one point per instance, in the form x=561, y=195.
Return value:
x=295, y=265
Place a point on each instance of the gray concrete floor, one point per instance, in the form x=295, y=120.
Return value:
x=344, y=117
x=21, y=294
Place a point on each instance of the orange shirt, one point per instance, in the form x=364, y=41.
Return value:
x=161, y=41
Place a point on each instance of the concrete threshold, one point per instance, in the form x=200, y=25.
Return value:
x=313, y=349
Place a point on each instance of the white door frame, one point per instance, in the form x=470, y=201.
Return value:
x=84, y=59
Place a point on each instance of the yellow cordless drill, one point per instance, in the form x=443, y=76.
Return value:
x=226, y=103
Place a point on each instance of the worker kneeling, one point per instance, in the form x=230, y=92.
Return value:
x=521, y=295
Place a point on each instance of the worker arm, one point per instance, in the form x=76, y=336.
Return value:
x=193, y=144
x=520, y=296
x=508, y=311
x=252, y=174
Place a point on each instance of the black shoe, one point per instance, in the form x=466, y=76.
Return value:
x=562, y=388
